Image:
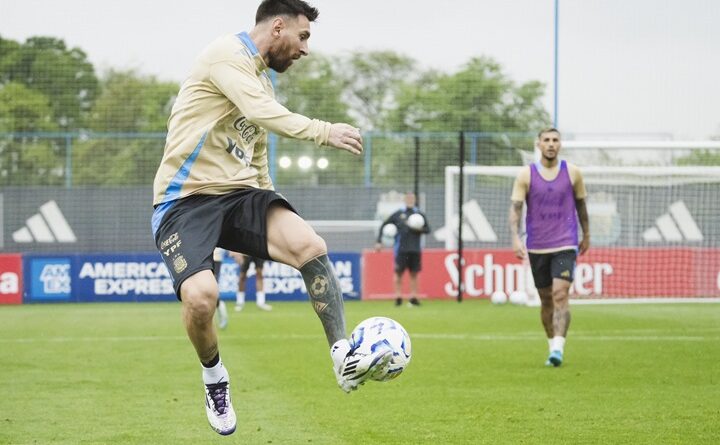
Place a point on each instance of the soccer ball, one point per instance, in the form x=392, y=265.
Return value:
x=498, y=297
x=389, y=232
x=518, y=297
x=416, y=221
x=383, y=332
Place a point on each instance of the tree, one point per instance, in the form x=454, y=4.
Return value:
x=46, y=65
x=315, y=89
x=372, y=83
x=129, y=104
x=479, y=98
x=27, y=159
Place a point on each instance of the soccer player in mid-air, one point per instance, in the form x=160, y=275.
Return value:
x=212, y=189
x=555, y=195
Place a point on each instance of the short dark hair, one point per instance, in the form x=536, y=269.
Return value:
x=292, y=8
x=548, y=130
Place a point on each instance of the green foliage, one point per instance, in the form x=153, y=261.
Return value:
x=46, y=65
x=114, y=124
x=24, y=110
x=641, y=374
x=700, y=157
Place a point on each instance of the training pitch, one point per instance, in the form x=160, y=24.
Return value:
x=127, y=374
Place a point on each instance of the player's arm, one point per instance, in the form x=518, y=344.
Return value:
x=519, y=192
x=237, y=80
x=581, y=207
x=426, y=228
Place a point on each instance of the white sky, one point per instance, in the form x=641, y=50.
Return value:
x=626, y=66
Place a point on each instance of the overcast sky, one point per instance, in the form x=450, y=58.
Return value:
x=635, y=67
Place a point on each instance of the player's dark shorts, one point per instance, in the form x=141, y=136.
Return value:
x=407, y=260
x=546, y=266
x=249, y=260
x=192, y=228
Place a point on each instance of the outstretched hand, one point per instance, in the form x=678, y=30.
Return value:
x=345, y=137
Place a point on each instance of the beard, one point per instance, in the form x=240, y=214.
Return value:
x=280, y=59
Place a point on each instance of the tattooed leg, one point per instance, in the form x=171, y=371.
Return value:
x=561, y=313
x=326, y=297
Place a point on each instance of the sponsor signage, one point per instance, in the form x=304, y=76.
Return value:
x=11, y=279
x=602, y=272
x=48, y=278
x=284, y=283
x=144, y=277
x=120, y=278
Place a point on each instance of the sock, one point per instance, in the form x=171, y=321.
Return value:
x=216, y=373
x=326, y=297
x=558, y=343
x=550, y=344
x=260, y=298
x=240, y=298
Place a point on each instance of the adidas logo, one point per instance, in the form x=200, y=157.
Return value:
x=676, y=225
x=48, y=226
x=476, y=227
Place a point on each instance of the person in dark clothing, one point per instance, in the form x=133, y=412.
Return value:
x=411, y=224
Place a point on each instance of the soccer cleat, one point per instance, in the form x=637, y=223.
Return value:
x=239, y=307
x=219, y=409
x=555, y=359
x=414, y=302
x=264, y=307
x=353, y=369
x=222, y=315
x=398, y=302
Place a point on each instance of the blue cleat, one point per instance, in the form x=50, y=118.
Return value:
x=555, y=359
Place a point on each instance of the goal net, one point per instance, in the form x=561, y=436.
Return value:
x=655, y=231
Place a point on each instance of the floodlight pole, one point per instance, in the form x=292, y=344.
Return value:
x=461, y=199
x=416, y=188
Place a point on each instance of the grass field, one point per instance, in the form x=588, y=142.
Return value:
x=126, y=374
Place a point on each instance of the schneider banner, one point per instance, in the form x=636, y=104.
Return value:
x=144, y=277
x=602, y=272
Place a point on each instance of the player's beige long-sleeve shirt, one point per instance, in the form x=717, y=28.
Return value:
x=217, y=131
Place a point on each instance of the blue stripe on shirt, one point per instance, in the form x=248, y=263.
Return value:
x=172, y=193
x=245, y=38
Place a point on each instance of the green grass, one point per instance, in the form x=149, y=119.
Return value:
x=126, y=374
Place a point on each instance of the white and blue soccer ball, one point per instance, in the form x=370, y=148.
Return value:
x=416, y=221
x=389, y=231
x=382, y=332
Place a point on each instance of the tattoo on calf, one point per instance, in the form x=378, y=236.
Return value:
x=325, y=295
x=561, y=321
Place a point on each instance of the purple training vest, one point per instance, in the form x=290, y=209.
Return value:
x=551, y=219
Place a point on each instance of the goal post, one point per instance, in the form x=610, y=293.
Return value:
x=655, y=230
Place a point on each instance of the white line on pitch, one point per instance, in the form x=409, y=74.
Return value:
x=462, y=337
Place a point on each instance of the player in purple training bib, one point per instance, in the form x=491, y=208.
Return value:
x=555, y=194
